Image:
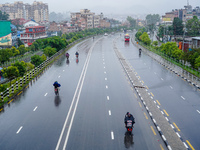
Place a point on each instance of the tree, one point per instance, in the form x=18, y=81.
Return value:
x=29, y=66
x=22, y=49
x=21, y=66
x=19, y=42
x=145, y=38
x=197, y=62
x=10, y=72
x=48, y=51
x=36, y=60
x=177, y=26
x=43, y=57
x=5, y=55
x=3, y=15
x=151, y=21
x=193, y=26
x=15, y=51
x=131, y=21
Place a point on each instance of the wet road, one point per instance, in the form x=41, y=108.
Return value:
x=178, y=100
x=89, y=111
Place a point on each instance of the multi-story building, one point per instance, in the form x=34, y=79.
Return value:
x=33, y=33
x=86, y=20
x=37, y=11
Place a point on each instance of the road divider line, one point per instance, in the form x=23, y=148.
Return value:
x=19, y=129
x=109, y=112
x=161, y=147
x=152, y=94
x=10, y=101
x=183, y=97
x=140, y=104
x=35, y=108
x=190, y=145
x=158, y=102
x=176, y=126
x=135, y=95
x=19, y=93
x=108, y=97
x=145, y=115
x=112, y=135
x=166, y=112
x=45, y=94
x=153, y=130
x=106, y=86
x=75, y=100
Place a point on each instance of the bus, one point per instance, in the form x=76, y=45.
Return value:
x=127, y=37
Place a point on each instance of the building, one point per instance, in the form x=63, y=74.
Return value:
x=196, y=42
x=38, y=11
x=33, y=33
x=5, y=34
x=87, y=20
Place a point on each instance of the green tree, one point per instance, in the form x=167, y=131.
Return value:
x=15, y=51
x=22, y=49
x=10, y=72
x=145, y=38
x=43, y=57
x=36, y=60
x=29, y=66
x=193, y=26
x=151, y=21
x=132, y=21
x=48, y=51
x=19, y=42
x=21, y=66
x=177, y=26
x=5, y=55
x=197, y=62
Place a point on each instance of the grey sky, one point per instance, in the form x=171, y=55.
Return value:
x=114, y=6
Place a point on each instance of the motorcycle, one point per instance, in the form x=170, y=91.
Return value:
x=56, y=91
x=129, y=127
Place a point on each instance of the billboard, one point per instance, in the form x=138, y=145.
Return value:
x=5, y=33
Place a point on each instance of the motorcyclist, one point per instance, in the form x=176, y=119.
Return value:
x=129, y=116
x=140, y=50
x=67, y=55
x=77, y=54
x=56, y=84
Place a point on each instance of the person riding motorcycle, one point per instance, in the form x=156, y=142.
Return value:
x=67, y=55
x=56, y=84
x=129, y=116
x=77, y=54
x=140, y=50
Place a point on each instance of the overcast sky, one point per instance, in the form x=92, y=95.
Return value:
x=114, y=6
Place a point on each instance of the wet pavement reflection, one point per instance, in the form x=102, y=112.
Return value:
x=57, y=100
x=128, y=140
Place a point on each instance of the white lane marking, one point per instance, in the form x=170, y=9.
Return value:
x=161, y=78
x=45, y=94
x=166, y=118
x=178, y=134
x=104, y=63
x=109, y=112
x=172, y=126
x=105, y=78
x=171, y=87
x=58, y=76
x=108, y=98
x=154, y=72
x=78, y=90
x=104, y=72
x=183, y=97
x=19, y=130
x=198, y=111
x=106, y=86
x=112, y=135
x=63, y=70
x=104, y=67
x=35, y=108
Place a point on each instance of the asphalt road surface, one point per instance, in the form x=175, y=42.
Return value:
x=95, y=95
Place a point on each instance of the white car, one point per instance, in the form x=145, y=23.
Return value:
x=105, y=34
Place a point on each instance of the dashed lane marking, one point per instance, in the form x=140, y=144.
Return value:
x=183, y=97
x=145, y=115
x=109, y=112
x=35, y=108
x=153, y=130
x=112, y=135
x=176, y=127
x=19, y=130
x=190, y=145
x=45, y=94
x=166, y=112
x=108, y=97
x=158, y=102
